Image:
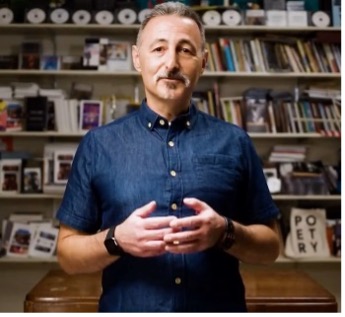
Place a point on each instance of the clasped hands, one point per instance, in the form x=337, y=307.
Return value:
x=144, y=236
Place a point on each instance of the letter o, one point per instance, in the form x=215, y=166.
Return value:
x=311, y=220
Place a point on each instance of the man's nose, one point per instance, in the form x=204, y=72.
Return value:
x=171, y=61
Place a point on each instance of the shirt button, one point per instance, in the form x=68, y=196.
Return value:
x=171, y=143
x=173, y=173
x=178, y=281
x=161, y=122
x=173, y=206
x=188, y=124
x=149, y=124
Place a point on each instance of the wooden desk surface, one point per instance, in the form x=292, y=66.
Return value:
x=267, y=289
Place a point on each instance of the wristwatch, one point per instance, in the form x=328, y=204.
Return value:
x=228, y=238
x=111, y=244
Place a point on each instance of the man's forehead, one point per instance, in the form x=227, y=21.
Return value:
x=171, y=26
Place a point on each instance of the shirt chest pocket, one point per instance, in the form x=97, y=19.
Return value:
x=216, y=173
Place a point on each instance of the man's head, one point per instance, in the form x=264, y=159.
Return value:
x=175, y=8
x=170, y=54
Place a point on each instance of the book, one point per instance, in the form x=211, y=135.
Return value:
x=3, y=115
x=91, y=53
x=50, y=62
x=36, y=113
x=10, y=176
x=32, y=175
x=15, y=114
x=256, y=112
x=90, y=114
x=43, y=241
x=118, y=56
x=336, y=13
x=30, y=55
x=49, y=174
x=9, y=61
x=71, y=62
x=19, y=241
x=62, y=165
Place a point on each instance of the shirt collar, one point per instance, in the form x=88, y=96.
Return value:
x=150, y=119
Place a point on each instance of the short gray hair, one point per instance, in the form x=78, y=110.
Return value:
x=173, y=8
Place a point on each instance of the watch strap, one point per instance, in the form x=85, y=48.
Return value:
x=228, y=239
x=111, y=243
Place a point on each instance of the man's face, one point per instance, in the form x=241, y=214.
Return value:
x=170, y=58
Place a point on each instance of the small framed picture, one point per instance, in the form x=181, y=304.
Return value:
x=15, y=115
x=50, y=62
x=256, y=115
x=44, y=241
x=62, y=165
x=32, y=180
x=10, y=175
x=119, y=56
x=273, y=182
x=90, y=114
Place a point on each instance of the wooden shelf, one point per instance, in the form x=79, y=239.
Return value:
x=9, y=259
x=42, y=134
x=331, y=259
x=307, y=197
x=271, y=75
x=133, y=73
x=30, y=196
x=133, y=28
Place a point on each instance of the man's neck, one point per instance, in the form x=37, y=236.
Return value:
x=169, y=109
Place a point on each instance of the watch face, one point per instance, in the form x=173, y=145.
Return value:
x=111, y=245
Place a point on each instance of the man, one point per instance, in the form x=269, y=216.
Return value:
x=183, y=193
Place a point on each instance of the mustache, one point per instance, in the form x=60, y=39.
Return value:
x=173, y=75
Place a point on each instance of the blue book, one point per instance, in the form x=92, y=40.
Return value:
x=229, y=59
x=336, y=12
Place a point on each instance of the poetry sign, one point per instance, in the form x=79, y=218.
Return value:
x=307, y=236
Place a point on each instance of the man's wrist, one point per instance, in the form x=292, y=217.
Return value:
x=228, y=238
x=111, y=244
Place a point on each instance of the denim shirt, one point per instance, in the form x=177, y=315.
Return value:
x=141, y=157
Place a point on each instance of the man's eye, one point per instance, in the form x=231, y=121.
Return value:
x=186, y=50
x=158, y=49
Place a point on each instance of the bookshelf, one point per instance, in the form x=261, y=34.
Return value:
x=208, y=74
x=70, y=38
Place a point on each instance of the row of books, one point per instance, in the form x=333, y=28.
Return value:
x=270, y=113
x=264, y=111
x=98, y=53
x=266, y=54
x=20, y=172
x=273, y=54
x=28, y=234
x=288, y=172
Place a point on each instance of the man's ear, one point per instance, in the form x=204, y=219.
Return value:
x=135, y=58
x=204, y=62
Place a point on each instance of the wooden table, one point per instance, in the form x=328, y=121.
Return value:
x=267, y=290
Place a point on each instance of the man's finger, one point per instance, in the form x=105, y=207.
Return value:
x=158, y=222
x=186, y=222
x=145, y=210
x=195, y=204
